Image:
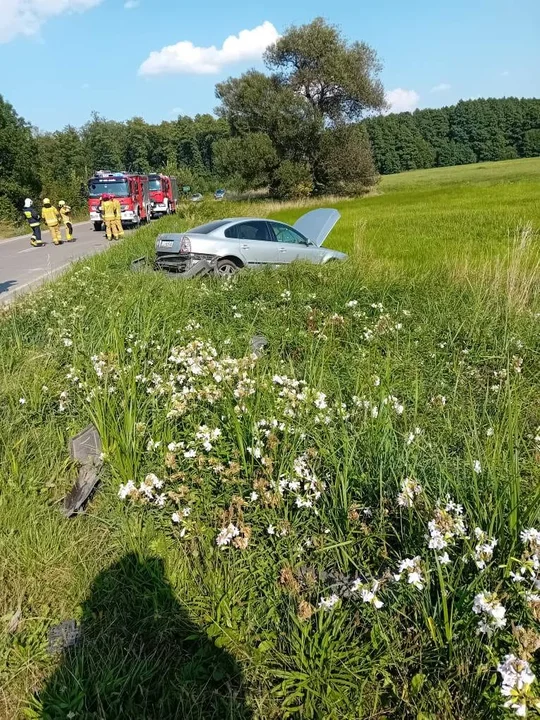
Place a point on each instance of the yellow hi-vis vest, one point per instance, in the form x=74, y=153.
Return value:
x=108, y=210
x=65, y=212
x=117, y=208
x=50, y=215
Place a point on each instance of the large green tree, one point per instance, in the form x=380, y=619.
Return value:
x=318, y=82
x=339, y=79
x=19, y=162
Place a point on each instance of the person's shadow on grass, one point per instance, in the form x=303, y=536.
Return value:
x=140, y=657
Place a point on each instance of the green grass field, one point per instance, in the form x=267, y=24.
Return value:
x=333, y=530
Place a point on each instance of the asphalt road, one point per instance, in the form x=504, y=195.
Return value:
x=22, y=266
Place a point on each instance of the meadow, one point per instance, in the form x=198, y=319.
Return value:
x=346, y=525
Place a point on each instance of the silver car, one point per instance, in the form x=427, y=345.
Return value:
x=235, y=243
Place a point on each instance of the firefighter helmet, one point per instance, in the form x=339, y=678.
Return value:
x=28, y=203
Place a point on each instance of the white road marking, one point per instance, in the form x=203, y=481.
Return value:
x=27, y=250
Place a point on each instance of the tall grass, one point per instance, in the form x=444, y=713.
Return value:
x=427, y=362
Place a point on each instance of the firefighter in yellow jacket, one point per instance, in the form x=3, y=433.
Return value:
x=108, y=213
x=117, y=225
x=65, y=214
x=52, y=218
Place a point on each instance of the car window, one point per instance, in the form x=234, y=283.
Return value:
x=251, y=230
x=286, y=234
x=209, y=227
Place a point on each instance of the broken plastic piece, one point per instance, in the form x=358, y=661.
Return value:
x=85, y=448
x=258, y=343
x=85, y=445
x=62, y=636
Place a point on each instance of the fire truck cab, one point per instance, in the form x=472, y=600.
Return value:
x=163, y=194
x=132, y=191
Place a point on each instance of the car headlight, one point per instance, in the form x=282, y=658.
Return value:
x=124, y=207
x=185, y=245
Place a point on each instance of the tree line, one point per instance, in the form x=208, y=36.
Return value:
x=311, y=123
x=471, y=131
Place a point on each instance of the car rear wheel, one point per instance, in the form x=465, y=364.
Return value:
x=226, y=268
x=97, y=226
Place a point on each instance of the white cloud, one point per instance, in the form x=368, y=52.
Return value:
x=442, y=87
x=85, y=86
x=401, y=100
x=25, y=17
x=131, y=4
x=505, y=73
x=185, y=57
x=176, y=111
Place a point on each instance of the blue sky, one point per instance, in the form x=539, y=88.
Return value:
x=62, y=59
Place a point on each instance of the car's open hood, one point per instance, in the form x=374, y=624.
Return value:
x=317, y=224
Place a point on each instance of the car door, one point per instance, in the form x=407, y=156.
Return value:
x=257, y=244
x=293, y=245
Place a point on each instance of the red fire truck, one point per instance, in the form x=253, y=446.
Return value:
x=131, y=190
x=163, y=194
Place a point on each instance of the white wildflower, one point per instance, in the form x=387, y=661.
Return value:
x=447, y=526
x=271, y=530
x=22, y=401
x=483, y=551
x=368, y=593
x=412, y=570
x=329, y=602
x=444, y=559
x=127, y=490
x=517, y=678
x=410, y=489
x=488, y=605
x=226, y=534
x=477, y=467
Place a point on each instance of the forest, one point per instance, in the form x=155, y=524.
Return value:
x=315, y=122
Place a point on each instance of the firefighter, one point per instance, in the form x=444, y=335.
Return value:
x=118, y=217
x=108, y=213
x=34, y=220
x=65, y=213
x=53, y=219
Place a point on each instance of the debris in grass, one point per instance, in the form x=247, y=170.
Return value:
x=14, y=622
x=258, y=343
x=85, y=448
x=63, y=636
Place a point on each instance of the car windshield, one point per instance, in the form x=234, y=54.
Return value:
x=97, y=188
x=154, y=184
x=209, y=227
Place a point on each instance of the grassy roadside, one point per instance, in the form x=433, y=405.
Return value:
x=420, y=360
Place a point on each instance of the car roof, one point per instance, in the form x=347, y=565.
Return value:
x=248, y=219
